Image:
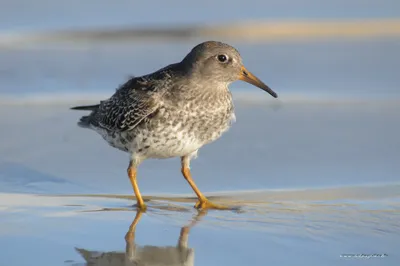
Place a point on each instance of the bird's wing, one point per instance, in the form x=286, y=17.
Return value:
x=132, y=102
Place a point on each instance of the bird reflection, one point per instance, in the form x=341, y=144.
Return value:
x=136, y=255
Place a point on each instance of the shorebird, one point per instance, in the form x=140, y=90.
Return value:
x=173, y=111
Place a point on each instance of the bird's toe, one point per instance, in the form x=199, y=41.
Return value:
x=141, y=207
x=206, y=204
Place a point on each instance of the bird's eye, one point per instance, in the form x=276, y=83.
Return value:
x=222, y=58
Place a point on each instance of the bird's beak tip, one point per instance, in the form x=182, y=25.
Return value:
x=248, y=77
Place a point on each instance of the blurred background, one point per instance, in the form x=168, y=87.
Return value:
x=315, y=171
x=332, y=49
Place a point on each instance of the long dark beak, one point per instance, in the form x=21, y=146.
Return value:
x=246, y=76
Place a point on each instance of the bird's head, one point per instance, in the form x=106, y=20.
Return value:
x=220, y=63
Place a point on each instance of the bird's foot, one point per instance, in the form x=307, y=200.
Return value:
x=141, y=207
x=206, y=204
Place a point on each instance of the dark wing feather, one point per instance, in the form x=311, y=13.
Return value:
x=131, y=103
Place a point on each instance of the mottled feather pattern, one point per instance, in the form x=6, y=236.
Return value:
x=144, y=118
x=131, y=103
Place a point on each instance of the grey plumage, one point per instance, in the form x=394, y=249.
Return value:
x=175, y=110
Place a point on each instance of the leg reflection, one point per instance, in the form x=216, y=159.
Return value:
x=135, y=254
x=184, y=235
x=130, y=249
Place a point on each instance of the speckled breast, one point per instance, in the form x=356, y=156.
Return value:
x=180, y=130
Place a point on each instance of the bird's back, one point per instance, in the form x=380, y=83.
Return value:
x=132, y=102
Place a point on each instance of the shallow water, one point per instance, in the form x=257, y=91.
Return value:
x=51, y=230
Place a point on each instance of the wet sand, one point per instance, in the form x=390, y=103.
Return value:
x=51, y=230
x=310, y=181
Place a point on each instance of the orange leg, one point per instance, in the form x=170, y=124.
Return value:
x=203, y=202
x=132, y=177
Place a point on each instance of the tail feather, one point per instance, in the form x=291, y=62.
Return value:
x=85, y=121
x=86, y=107
x=84, y=253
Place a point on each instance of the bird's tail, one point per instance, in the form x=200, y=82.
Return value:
x=86, y=107
x=84, y=253
x=85, y=121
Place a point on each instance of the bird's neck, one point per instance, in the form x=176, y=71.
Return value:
x=211, y=95
x=200, y=82
x=204, y=88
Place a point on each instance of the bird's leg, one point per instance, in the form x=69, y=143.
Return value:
x=203, y=202
x=132, y=177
